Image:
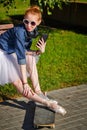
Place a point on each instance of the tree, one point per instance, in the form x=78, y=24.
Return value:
x=49, y=4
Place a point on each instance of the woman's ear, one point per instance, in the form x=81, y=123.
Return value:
x=38, y=22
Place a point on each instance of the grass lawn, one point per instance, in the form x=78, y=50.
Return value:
x=65, y=61
x=21, y=6
x=84, y=1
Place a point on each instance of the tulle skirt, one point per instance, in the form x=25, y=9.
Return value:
x=9, y=67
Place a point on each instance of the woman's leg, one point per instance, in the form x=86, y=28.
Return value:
x=31, y=95
x=32, y=69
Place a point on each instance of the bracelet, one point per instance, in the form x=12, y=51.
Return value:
x=38, y=52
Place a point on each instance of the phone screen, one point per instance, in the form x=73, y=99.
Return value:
x=45, y=37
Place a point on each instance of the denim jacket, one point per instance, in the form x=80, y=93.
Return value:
x=16, y=40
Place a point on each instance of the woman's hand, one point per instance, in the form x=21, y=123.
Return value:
x=27, y=91
x=41, y=45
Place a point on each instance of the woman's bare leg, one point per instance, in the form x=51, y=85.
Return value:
x=31, y=95
x=32, y=69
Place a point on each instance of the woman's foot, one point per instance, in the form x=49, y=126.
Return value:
x=53, y=105
x=43, y=95
x=60, y=109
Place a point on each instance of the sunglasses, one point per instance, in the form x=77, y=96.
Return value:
x=26, y=21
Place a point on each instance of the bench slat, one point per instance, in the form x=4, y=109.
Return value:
x=6, y=26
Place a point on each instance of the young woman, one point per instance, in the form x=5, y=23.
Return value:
x=17, y=61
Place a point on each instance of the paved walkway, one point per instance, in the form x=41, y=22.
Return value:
x=16, y=114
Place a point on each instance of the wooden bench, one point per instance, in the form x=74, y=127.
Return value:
x=4, y=27
x=43, y=117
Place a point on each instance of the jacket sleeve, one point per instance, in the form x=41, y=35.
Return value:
x=20, y=48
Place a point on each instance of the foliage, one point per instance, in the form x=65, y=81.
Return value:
x=8, y=4
x=50, y=4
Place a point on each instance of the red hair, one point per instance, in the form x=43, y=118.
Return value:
x=35, y=10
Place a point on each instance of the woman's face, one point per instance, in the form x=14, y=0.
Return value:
x=31, y=22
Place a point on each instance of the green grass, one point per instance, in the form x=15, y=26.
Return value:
x=65, y=61
x=21, y=6
x=63, y=64
x=80, y=1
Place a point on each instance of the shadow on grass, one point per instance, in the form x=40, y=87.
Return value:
x=16, y=19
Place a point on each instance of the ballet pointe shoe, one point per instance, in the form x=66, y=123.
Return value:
x=60, y=110
x=53, y=105
x=44, y=96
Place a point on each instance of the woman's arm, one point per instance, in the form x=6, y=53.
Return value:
x=33, y=52
x=23, y=73
x=26, y=87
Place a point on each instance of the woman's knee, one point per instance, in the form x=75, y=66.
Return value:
x=18, y=85
x=31, y=59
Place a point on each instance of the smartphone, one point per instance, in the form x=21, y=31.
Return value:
x=44, y=36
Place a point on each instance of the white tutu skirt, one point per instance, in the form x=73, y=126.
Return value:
x=9, y=67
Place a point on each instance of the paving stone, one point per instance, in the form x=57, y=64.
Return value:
x=17, y=114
